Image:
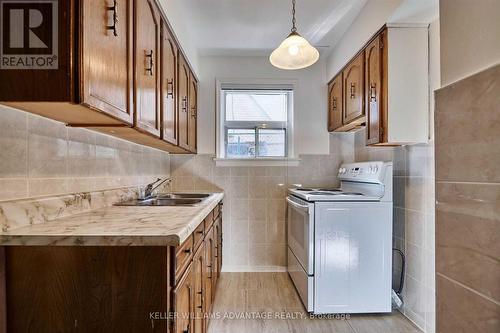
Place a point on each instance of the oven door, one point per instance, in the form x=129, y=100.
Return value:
x=301, y=231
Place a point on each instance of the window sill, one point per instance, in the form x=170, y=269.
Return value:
x=230, y=162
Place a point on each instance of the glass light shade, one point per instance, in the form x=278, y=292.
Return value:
x=294, y=52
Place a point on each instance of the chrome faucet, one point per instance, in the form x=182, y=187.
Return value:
x=148, y=191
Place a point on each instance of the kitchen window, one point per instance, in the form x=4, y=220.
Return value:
x=255, y=122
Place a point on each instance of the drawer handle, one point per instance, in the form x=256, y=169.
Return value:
x=114, y=9
x=170, y=87
x=149, y=69
x=187, y=251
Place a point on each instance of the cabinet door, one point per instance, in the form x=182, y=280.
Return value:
x=183, y=298
x=373, y=89
x=147, y=88
x=199, y=289
x=353, y=90
x=218, y=254
x=183, y=103
x=335, y=103
x=168, y=86
x=209, y=271
x=193, y=113
x=107, y=57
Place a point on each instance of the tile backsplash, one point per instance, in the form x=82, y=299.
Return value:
x=254, y=204
x=42, y=157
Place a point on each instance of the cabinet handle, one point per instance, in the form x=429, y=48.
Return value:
x=373, y=92
x=114, y=9
x=184, y=104
x=193, y=113
x=151, y=62
x=199, y=232
x=353, y=90
x=170, y=87
x=187, y=251
x=334, y=104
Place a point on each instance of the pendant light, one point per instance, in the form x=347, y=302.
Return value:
x=294, y=52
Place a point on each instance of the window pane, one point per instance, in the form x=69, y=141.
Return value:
x=272, y=142
x=240, y=143
x=256, y=106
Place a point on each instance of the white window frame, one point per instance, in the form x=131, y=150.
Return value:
x=254, y=84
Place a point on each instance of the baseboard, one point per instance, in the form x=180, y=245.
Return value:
x=253, y=268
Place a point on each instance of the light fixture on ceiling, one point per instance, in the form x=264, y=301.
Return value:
x=294, y=52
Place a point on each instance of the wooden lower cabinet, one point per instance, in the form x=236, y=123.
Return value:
x=111, y=288
x=183, y=298
x=86, y=288
x=203, y=274
x=219, y=245
x=209, y=270
x=198, y=285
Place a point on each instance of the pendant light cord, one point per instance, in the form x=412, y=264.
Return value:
x=294, y=28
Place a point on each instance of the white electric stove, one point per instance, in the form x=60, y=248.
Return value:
x=340, y=241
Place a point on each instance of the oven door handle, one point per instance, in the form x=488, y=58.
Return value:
x=304, y=208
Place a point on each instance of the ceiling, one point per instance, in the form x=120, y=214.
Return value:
x=255, y=27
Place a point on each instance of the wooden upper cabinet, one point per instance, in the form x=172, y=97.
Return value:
x=107, y=57
x=169, y=53
x=335, y=103
x=183, y=300
x=184, y=79
x=353, y=89
x=373, y=90
x=193, y=113
x=120, y=71
x=147, y=73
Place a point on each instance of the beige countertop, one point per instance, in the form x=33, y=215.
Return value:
x=116, y=226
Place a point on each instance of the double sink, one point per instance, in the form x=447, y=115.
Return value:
x=168, y=199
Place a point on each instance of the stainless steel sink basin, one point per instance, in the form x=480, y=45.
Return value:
x=161, y=202
x=184, y=196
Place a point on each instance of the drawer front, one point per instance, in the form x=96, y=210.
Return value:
x=183, y=256
x=199, y=234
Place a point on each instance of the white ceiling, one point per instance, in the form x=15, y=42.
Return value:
x=255, y=27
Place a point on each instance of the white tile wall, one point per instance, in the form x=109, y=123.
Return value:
x=413, y=224
x=254, y=206
x=43, y=157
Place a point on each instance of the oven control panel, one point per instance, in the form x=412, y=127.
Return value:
x=370, y=172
